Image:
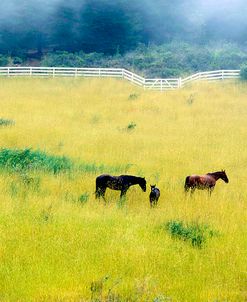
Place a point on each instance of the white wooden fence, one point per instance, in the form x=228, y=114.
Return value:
x=153, y=84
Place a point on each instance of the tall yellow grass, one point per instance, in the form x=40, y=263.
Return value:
x=54, y=248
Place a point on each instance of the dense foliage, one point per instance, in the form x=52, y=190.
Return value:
x=167, y=60
x=243, y=72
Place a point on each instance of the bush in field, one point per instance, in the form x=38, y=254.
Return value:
x=17, y=60
x=131, y=126
x=194, y=233
x=66, y=59
x=83, y=198
x=19, y=160
x=4, y=60
x=6, y=122
x=62, y=59
x=243, y=72
x=133, y=96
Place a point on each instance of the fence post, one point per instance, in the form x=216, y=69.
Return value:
x=180, y=82
x=53, y=72
x=8, y=71
x=30, y=71
x=222, y=74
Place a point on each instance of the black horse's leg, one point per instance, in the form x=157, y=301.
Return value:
x=123, y=192
x=122, y=196
x=100, y=192
x=97, y=193
x=103, y=194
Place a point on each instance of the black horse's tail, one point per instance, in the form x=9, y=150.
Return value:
x=187, y=183
x=97, y=189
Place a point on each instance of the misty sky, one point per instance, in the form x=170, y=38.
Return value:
x=205, y=8
x=232, y=12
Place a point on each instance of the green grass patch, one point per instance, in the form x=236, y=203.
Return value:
x=27, y=159
x=194, y=233
x=19, y=160
x=101, y=168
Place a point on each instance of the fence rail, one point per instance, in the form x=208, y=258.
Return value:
x=152, y=84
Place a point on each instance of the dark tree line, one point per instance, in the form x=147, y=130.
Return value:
x=112, y=27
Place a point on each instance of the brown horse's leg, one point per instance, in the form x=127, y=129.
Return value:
x=186, y=189
x=210, y=190
x=187, y=184
x=192, y=190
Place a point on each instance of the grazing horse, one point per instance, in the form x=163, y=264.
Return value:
x=207, y=181
x=154, y=195
x=121, y=183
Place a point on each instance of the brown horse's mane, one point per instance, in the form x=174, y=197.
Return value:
x=216, y=173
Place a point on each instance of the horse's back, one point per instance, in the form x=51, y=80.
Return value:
x=103, y=178
x=200, y=180
x=157, y=192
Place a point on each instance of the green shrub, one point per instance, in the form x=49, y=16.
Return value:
x=6, y=122
x=4, y=60
x=83, y=198
x=131, y=126
x=62, y=59
x=66, y=59
x=17, y=60
x=243, y=72
x=194, y=233
x=133, y=96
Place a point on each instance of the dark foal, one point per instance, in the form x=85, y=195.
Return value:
x=121, y=183
x=154, y=195
x=207, y=181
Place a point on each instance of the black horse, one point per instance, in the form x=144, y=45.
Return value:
x=121, y=183
x=207, y=181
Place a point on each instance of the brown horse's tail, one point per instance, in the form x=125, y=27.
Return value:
x=187, y=184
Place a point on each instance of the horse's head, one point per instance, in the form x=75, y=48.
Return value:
x=152, y=187
x=224, y=176
x=143, y=184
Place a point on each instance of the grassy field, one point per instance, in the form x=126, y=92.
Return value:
x=57, y=243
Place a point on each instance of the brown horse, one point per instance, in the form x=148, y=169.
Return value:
x=121, y=183
x=207, y=181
